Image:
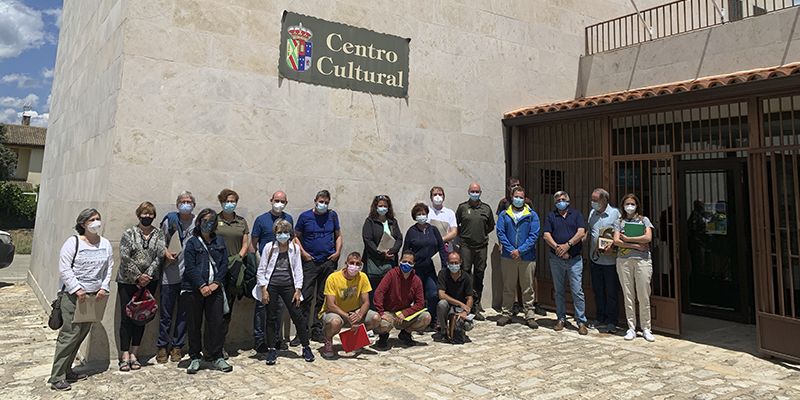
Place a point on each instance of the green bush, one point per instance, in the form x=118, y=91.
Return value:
x=16, y=205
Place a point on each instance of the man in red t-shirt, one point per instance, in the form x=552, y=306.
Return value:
x=400, y=301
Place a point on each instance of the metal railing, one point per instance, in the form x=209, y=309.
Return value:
x=674, y=18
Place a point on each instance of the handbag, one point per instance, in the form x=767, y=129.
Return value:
x=142, y=307
x=55, y=320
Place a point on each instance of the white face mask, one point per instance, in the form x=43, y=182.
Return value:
x=630, y=208
x=278, y=206
x=438, y=199
x=95, y=226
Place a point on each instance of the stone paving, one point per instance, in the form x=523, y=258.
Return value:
x=512, y=362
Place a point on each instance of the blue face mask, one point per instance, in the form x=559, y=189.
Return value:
x=518, y=202
x=185, y=208
x=421, y=219
x=207, y=226
x=228, y=207
x=562, y=205
x=474, y=196
x=322, y=208
x=283, y=237
x=454, y=267
x=382, y=210
x=595, y=206
x=406, y=267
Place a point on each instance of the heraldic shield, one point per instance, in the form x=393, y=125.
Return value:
x=298, y=48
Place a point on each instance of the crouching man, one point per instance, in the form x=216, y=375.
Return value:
x=455, y=300
x=400, y=301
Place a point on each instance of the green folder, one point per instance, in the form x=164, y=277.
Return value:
x=634, y=229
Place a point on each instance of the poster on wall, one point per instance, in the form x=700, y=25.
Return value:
x=331, y=54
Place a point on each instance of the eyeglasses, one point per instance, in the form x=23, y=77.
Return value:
x=381, y=197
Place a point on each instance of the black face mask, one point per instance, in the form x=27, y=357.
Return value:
x=146, y=221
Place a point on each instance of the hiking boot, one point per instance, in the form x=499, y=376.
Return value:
x=73, y=376
x=539, y=310
x=383, y=341
x=175, y=355
x=559, y=325
x=272, y=356
x=308, y=355
x=532, y=323
x=582, y=329
x=648, y=335
x=630, y=335
x=503, y=320
x=262, y=348
x=479, y=316
x=194, y=366
x=222, y=365
x=162, y=356
x=61, y=385
x=406, y=338
x=327, y=349
x=295, y=342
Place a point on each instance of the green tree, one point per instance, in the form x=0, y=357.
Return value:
x=8, y=160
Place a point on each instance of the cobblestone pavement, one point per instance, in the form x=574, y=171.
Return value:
x=509, y=362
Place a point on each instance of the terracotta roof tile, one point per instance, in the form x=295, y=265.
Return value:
x=24, y=135
x=660, y=90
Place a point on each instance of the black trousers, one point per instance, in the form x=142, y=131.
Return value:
x=314, y=277
x=474, y=263
x=130, y=334
x=285, y=293
x=197, y=307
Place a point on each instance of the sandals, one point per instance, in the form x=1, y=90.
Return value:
x=124, y=366
x=134, y=364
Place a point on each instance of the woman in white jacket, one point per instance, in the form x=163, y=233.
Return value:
x=280, y=274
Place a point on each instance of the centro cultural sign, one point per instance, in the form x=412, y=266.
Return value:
x=342, y=56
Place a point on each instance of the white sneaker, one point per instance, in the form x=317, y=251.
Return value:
x=630, y=335
x=648, y=335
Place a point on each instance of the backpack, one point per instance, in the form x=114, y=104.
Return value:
x=456, y=327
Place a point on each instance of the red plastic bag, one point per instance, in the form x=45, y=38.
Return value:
x=142, y=308
x=354, y=338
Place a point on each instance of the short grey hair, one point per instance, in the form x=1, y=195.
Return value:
x=559, y=194
x=282, y=225
x=603, y=193
x=83, y=217
x=185, y=193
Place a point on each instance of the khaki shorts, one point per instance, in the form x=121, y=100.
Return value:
x=329, y=317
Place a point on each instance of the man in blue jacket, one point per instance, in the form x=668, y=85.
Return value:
x=517, y=232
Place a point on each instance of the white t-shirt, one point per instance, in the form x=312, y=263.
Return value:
x=445, y=215
x=92, y=268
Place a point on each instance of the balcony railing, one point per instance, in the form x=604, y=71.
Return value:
x=674, y=18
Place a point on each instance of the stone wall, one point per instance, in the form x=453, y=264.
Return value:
x=153, y=97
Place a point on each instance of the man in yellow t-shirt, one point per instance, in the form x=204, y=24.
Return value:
x=346, y=302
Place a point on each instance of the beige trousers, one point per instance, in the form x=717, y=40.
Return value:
x=518, y=271
x=634, y=277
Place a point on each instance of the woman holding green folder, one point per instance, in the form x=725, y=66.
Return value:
x=632, y=234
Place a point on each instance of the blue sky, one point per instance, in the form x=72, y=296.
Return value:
x=28, y=42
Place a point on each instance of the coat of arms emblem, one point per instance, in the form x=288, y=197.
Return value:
x=298, y=48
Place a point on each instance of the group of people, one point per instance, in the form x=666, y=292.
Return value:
x=201, y=263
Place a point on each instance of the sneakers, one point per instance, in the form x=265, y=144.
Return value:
x=440, y=336
x=281, y=345
x=406, y=338
x=582, y=329
x=262, y=348
x=611, y=328
x=559, y=326
x=194, y=366
x=307, y=354
x=327, y=349
x=295, y=342
x=503, y=320
x=73, y=377
x=383, y=341
x=61, y=385
x=175, y=355
x=532, y=324
x=222, y=365
x=630, y=335
x=225, y=354
x=272, y=356
x=162, y=356
x=648, y=335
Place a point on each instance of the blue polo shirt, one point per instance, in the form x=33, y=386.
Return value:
x=564, y=228
x=262, y=228
x=316, y=233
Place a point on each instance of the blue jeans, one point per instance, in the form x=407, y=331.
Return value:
x=562, y=269
x=605, y=283
x=169, y=301
x=429, y=286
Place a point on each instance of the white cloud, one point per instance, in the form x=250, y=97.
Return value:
x=22, y=80
x=47, y=73
x=21, y=28
x=9, y=116
x=54, y=12
x=30, y=100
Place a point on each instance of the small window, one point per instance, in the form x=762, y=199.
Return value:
x=551, y=181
